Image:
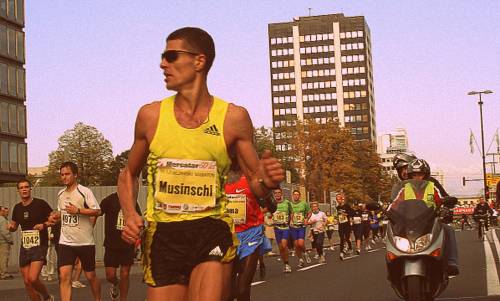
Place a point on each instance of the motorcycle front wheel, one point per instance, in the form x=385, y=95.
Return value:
x=415, y=289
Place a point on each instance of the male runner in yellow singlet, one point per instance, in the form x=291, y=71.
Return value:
x=188, y=141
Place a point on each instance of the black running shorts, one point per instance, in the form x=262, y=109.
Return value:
x=67, y=256
x=172, y=250
x=27, y=256
x=118, y=257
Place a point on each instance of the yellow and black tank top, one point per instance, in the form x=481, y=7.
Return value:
x=187, y=167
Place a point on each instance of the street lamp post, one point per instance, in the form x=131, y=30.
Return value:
x=482, y=135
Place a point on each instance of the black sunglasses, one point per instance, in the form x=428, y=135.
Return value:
x=172, y=55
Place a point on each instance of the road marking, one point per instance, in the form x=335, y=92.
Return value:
x=462, y=298
x=351, y=257
x=374, y=250
x=257, y=283
x=496, y=242
x=492, y=281
x=311, y=266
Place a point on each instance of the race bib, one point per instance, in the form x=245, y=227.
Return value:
x=120, y=221
x=336, y=227
x=298, y=218
x=385, y=222
x=356, y=220
x=279, y=217
x=70, y=220
x=185, y=185
x=365, y=216
x=237, y=208
x=342, y=219
x=30, y=238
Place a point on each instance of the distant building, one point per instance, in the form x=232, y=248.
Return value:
x=13, y=150
x=390, y=144
x=321, y=67
x=37, y=172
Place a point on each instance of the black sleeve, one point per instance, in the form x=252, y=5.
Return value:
x=47, y=209
x=439, y=187
x=14, y=215
x=104, y=205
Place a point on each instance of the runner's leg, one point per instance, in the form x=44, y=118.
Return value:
x=65, y=282
x=32, y=293
x=95, y=284
x=245, y=276
x=124, y=281
x=206, y=282
x=34, y=278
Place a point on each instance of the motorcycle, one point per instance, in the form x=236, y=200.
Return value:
x=415, y=258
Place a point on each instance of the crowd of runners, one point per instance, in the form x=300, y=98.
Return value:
x=212, y=202
x=296, y=220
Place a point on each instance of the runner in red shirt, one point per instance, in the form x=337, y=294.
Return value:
x=245, y=209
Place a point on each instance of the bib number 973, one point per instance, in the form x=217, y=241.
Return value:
x=70, y=220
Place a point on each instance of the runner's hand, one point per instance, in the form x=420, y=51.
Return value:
x=38, y=227
x=271, y=170
x=11, y=226
x=134, y=224
x=54, y=217
x=71, y=209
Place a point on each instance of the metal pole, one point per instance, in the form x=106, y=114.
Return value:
x=482, y=145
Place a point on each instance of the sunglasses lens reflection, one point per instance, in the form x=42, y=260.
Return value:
x=170, y=56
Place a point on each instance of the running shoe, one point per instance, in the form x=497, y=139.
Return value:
x=342, y=255
x=51, y=298
x=358, y=251
x=322, y=259
x=287, y=268
x=77, y=284
x=316, y=256
x=114, y=292
x=332, y=248
x=307, y=257
x=292, y=253
x=301, y=263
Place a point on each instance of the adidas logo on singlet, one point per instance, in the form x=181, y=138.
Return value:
x=212, y=130
x=216, y=252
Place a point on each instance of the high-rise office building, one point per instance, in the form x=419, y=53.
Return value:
x=388, y=145
x=321, y=67
x=13, y=153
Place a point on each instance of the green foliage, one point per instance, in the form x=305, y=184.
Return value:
x=87, y=147
x=329, y=159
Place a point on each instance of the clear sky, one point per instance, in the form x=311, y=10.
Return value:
x=98, y=62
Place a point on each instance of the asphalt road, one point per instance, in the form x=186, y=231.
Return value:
x=359, y=278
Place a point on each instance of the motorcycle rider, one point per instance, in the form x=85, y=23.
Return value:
x=400, y=163
x=419, y=169
x=483, y=209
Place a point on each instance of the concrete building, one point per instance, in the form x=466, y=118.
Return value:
x=13, y=150
x=390, y=144
x=321, y=67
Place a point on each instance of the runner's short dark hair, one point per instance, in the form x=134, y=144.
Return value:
x=198, y=40
x=296, y=190
x=71, y=165
x=23, y=180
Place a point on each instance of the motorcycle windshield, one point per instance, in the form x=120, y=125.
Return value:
x=411, y=219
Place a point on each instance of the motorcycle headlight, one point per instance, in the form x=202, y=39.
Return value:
x=422, y=243
x=402, y=244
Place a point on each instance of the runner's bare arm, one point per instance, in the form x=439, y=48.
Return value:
x=128, y=181
x=263, y=174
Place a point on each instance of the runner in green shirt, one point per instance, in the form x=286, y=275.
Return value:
x=300, y=212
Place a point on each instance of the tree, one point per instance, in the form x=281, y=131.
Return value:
x=85, y=146
x=331, y=160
